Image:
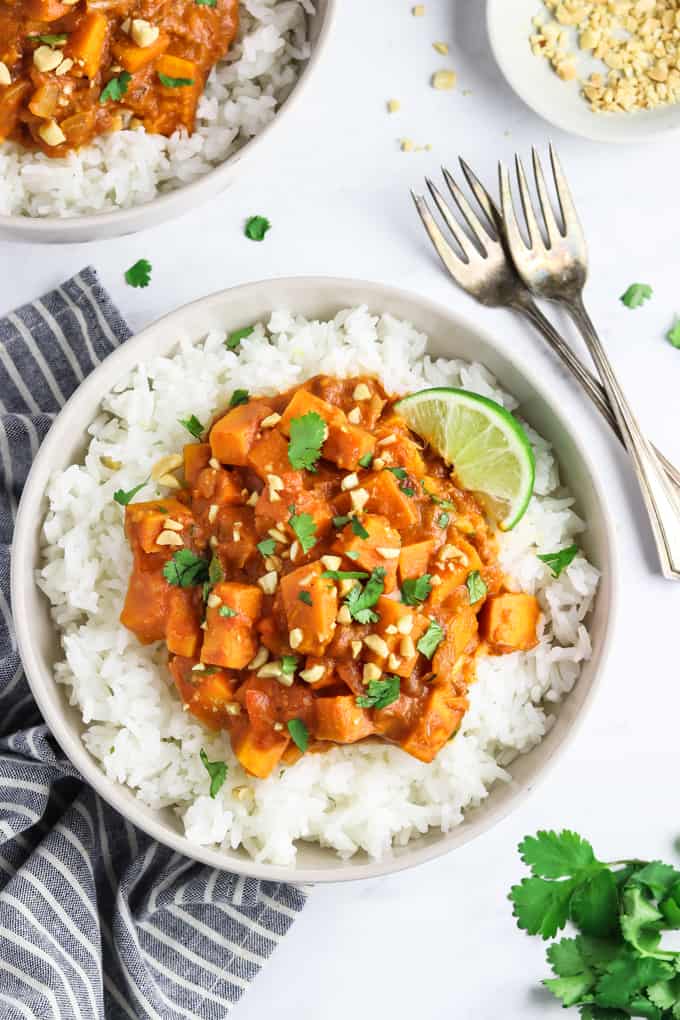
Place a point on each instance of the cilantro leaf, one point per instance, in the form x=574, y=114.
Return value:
x=360, y=599
x=215, y=572
x=174, y=83
x=226, y=611
x=346, y=575
x=567, y=958
x=234, y=339
x=445, y=504
x=305, y=530
x=673, y=334
x=305, y=597
x=641, y=922
x=217, y=770
x=340, y=522
x=114, y=90
x=123, y=497
x=185, y=569
x=476, y=586
x=572, y=989
x=595, y=905
x=552, y=854
x=636, y=295
x=256, y=227
x=267, y=546
x=192, y=425
x=559, y=561
x=380, y=693
x=299, y=733
x=139, y=275
x=289, y=664
x=307, y=435
x=415, y=590
x=542, y=907
x=443, y=520
x=206, y=3
x=358, y=528
x=431, y=639
x=657, y=877
x=366, y=460
x=627, y=975
x=239, y=397
x=51, y=40
x=402, y=475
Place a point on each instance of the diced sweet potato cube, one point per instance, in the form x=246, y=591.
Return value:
x=386, y=497
x=183, y=629
x=132, y=57
x=508, y=622
x=345, y=444
x=329, y=677
x=216, y=486
x=341, y=720
x=461, y=638
x=438, y=722
x=231, y=641
x=86, y=43
x=145, y=521
x=269, y=455
x=272, y=508
x=176, y=67
x=256, y=757
x=401, y=451
x=316, y=621
x=454, y=571
x=206, y=694
x=11, y=98
x=146, y=602
x=369, y=553
x=196, y=457
x=232, y=436
x=414, y=559
x=272, y=637
x=395, y=721
x=391, y=613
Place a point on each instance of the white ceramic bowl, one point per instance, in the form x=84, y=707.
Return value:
x=230, y=309
x=98, y=227
x=557, y=101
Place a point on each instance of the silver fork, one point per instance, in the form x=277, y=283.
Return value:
x=557, y=270
x=486, y=273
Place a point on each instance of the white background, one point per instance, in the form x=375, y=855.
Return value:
x=439, y=942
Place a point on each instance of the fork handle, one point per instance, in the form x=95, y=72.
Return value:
x=661, y=500
x=594, y=389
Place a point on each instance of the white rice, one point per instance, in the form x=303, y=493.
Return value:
x=127, y=168
x=362, y=797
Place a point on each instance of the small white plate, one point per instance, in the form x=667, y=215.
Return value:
x=561, y=103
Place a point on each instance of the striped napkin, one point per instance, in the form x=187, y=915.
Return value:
x=96, y=919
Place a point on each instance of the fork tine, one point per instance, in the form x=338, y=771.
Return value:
x=535, y=239
x=465, y=244
x=491, y=210
x=512, y=232
x=476, y=226
x=455, y=265
x=567, y=207
x=553, y=231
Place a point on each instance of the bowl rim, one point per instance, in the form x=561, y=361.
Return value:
x=377, y=295
x=174, y=203
x=642, y=133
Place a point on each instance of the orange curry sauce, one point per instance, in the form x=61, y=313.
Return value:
x=271, y=642
x=74, y=69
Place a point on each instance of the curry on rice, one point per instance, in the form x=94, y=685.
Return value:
x=321, y=578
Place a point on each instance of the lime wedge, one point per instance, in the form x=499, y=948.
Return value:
x=484, y=443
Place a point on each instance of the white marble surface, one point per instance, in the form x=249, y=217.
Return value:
x=439, y=942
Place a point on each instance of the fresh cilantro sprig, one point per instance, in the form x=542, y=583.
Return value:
x=123, y=497
x=401, y=474
x=346, y=575
x=174, y=83
x=192, y=425
x=299, y=733
x=139, y=275
x=431, y=639
x=267, y=546
x=559, y=561
x=380, y=693
x=304, y=529
x=360, y=599
x=234, y=339
x=415, y=590
x=636, y=295
x=476, y=586
x=256, y=227
x=239, y=397
x=116, y=88
x=307, y=435
x=615, y=966
x=217, y=770
x=185, y=570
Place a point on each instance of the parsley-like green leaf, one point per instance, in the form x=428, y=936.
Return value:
x=257, y=227
x=358, y=529
x=289, y=664
x=641, y=921
x=416, y=589
x=123, y=497
x=594, y=905
x=445, y=504
x=353, y=554
x=380, y=693
x=431, y=639
x=656, y=876
x=226, y=611
x=206, y=3
x=345, y=575
x=299, y=733
x=340, y=522
x=217, y=770
x=673, y=334
x=360, y=599
x=51, y=40
x=570, y=990
x=304, y=529
x=443, y=520
x=114, y=90
x=267, y=546
x=636, y=295
x=234, y=339
x=185, y=569
x=239, y=397
x=401, y=474
x=541, y=907
x=307, y=435
x=476, y=586
x=628, y=975
x=559, y=561
x=139, y=275
x=174, y=83
x=552, y=854
x=366, y=460
x=192, y=425
x=305, y=597
x=215, y=572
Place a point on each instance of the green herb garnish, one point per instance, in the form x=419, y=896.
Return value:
x=305, y=597
x=267, y=546
x=380, y=693
x=185, y=570
x=476, y=586
x=139, y=275
x=416, y=589
x=636, y=295
x=299, y=733
x=234, y=339
x=445, y=504
x=227, y=612
x=402, y=475
x=304, y=529
x=559, y=561
x=192, y=425
x=431, y=639
x=340, y=522
x=307, y=435
x=257, y=227
x=239, y=397
x=215, y=572
x=289, y=664
x=174, y=83
x=123, y=497
x=443, y=520
x=358, y=528
x=366, y=460
x=206, y=3
x=217, y=770
x=114, y=90
x=346, y=575
x=673, y=334
x=51, y=40
x=360, y=599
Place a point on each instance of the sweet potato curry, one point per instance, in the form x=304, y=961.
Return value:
x=320, y=578
x=74, y=69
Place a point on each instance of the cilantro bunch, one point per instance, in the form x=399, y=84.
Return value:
x=615, y=967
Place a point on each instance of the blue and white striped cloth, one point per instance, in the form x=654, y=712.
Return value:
x=96, y=919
